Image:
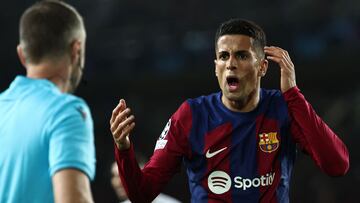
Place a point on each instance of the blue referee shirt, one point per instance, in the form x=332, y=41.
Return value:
x=42, y=131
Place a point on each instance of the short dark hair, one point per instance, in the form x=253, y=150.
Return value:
x=47, y=30
x=239, y=26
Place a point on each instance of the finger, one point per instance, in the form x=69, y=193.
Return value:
x=279, y=60
x=120, y=118
x=115, y=112
x=127, y=130
x=274, y=52
x=274, y=48
x=275, y=59
x=286, y=60
x=121, y=127
x=121, y=106
x=125, y=134
x=124, y=102
x=283, y=63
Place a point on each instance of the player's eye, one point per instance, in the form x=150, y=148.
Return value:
x=242, y=56
x=223, y=56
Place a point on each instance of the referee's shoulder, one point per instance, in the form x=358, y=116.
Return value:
x=68, y=102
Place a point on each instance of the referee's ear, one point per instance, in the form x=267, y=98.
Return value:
x=21, y=55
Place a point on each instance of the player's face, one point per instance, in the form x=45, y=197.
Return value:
x=237, y=68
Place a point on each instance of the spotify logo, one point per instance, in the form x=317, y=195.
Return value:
x=219, y=182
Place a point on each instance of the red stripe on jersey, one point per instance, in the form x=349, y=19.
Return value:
x=217, y=154
x=268, y=149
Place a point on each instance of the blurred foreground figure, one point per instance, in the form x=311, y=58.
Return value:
x=120, y=191
x=47, y=149
x=239, y=144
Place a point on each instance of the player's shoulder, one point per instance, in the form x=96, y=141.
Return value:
x=204, y=99
x=274, y=98
x=271, y=94
x=197, y=104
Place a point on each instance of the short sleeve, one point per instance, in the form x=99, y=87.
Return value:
x=71, y=139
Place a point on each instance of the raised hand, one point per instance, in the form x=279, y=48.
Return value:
x=121, y=124
x=287, y=69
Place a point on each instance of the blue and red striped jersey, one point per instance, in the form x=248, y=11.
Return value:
x=234, y=156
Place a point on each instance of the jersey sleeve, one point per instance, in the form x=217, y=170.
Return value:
x=144, y=185
x=71, y=138
x=314, y=136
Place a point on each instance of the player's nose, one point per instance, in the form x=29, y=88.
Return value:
x=231, y=63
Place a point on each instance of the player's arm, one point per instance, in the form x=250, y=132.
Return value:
x=315, y=137
x=144, y=185
x=71, y=186
x=308, y=129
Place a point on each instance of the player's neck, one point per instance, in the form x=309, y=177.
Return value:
x=54, y=72
x=246, y=105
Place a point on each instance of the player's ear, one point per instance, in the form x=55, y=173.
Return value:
x=264, y=63
x=216, y=72
x=21, y=55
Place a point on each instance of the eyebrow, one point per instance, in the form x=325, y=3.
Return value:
x=236, y=52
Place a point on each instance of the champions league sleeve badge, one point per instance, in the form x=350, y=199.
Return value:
x=161, y=142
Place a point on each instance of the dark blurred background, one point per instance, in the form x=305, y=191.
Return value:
x=156, y=54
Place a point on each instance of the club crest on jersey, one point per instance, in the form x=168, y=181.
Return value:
x=268, y=142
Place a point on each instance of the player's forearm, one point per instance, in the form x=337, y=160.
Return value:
x=136, y=185
x=325, y=147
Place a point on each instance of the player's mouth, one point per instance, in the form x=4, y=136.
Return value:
x=232, y=82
